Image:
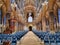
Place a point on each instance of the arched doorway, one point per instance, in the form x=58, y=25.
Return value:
x=30, y=28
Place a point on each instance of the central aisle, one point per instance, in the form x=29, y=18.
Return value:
x=29, y=39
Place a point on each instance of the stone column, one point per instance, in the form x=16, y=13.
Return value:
x=55, y=25
x=37, y=26
x=51, y=25
x=43, y=24
x=18, y=26
x=22, y=27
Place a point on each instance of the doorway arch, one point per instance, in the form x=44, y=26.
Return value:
x=30, y=28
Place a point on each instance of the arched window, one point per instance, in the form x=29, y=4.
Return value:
x=12, y=1
x=4, y=20
x=30, y=18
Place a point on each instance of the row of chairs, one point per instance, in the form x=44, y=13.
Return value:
x=19, y=34
x=48, y=37
x=13, y=38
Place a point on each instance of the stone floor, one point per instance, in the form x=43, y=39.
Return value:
x=30, y=39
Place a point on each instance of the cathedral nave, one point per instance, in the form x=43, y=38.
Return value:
x=29, y=22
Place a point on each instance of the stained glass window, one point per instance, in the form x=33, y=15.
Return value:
x=59, y=15
x=4, y=20
x=30, y=19
x=12, y=1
